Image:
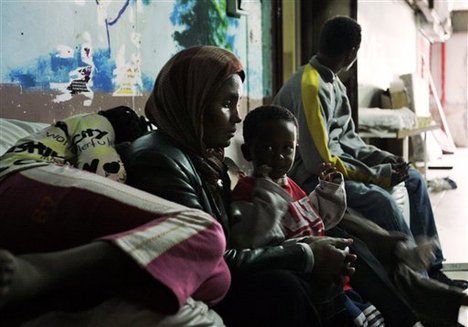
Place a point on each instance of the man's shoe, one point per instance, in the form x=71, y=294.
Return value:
x=443, y=278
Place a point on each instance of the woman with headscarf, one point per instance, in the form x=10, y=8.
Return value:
x=194, y=105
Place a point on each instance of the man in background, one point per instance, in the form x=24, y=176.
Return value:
x=317, y=97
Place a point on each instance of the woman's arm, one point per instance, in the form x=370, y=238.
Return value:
x=331, y=259
x=291, y=257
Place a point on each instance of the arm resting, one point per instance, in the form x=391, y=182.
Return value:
x=290, y=257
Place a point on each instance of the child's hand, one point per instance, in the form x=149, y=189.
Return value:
x=263, y=171
x=329, y=173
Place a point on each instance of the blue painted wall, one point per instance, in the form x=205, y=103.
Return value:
x=64, y=49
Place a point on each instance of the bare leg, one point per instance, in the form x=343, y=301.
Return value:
x=26, y=276
x=98, y=263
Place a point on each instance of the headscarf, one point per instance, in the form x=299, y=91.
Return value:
x=182, y=92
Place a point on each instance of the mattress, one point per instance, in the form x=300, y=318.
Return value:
x=11, y=130
x=383, y=120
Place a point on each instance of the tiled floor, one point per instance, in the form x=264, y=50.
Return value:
x=451, y=208
x=451, y=214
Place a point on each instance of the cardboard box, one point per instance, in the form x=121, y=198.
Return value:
x=394, y=100
x=418, y=94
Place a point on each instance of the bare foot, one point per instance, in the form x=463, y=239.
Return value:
x=20, y=277
x=7, y=270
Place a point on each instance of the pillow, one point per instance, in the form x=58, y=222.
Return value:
x=11, y=130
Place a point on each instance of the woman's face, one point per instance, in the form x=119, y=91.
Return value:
x=222, y=114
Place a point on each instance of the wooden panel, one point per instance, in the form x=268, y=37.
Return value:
x=313, y=15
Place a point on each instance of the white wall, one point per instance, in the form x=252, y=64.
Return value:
x=389, y=45
x=456, y=77
x=457, y=4
x=455, y=84
x=456, y=87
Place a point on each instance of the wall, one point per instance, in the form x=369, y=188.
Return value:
x=389, y=46
x=65, y=57
x=453, y=84
x=456, y=77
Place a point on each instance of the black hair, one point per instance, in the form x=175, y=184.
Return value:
x=262, y=114
x=338, y=35
x=128, y=126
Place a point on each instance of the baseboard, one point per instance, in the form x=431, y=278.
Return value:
x=462, y=266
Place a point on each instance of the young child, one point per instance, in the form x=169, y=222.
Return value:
x=269, y=208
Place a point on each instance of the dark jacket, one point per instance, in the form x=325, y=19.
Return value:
x=156, y=164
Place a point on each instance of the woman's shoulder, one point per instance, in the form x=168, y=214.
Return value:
x=155, y=164
x=154, y=143
x=156, y=149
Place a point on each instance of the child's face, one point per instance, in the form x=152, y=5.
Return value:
x=274, y=146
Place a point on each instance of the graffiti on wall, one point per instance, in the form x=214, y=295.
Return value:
x=114, y=47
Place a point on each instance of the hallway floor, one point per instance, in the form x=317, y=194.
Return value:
x=451, y=214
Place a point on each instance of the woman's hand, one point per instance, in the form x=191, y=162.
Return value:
x=332, y=259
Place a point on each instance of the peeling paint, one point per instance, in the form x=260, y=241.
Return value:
x=93, y=51
x=65, y=51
